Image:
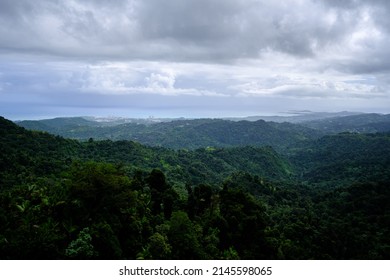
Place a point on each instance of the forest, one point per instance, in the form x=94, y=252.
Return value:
x=201, y=189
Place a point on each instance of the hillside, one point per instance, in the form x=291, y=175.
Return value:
x=40, y=151
x=362, y=123
x=29, y=154
x=344, y=158
x=62, y=199
x=201, y=133
x=182, y=134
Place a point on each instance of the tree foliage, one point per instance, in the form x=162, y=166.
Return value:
x=63, y=199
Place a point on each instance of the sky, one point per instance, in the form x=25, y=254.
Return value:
x=192, y=58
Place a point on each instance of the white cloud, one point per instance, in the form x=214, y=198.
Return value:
x=162, y=81
x=130, y=79
x=310, y=87
x=248, y=51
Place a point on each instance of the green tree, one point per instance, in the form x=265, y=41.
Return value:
x=183, y=237
x=81, y=247
x=159, y=247
x=245, y=218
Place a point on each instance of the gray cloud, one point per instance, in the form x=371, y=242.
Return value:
x=172, y=30
x=194, y=54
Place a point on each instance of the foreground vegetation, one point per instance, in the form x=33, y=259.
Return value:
x=323, y=198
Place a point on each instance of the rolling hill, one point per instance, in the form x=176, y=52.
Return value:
x=181, y=134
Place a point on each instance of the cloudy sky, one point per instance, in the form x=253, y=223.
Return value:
x=192, y=58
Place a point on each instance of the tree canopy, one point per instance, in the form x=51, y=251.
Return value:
x=325, y=198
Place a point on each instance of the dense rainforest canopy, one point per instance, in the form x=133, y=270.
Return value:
x=289, y=192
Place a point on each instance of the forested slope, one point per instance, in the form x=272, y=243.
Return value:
x=335, y=160
x=362, y=123
x=39, y=153
x=182, y=134
x=64, y=199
